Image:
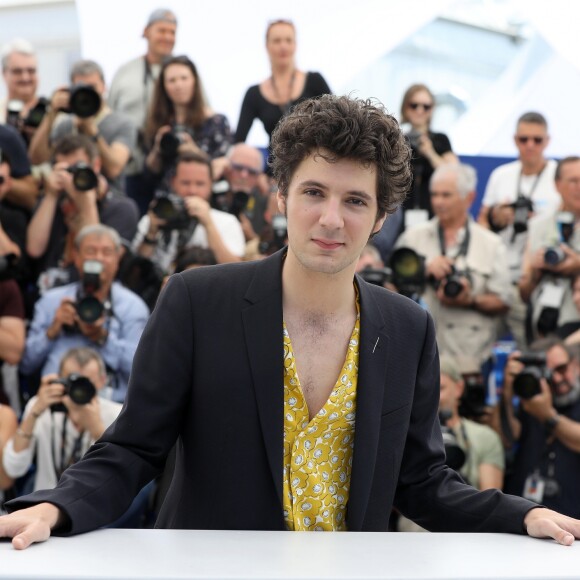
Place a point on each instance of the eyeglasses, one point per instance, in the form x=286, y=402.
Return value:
x=523, y=139
x=561, y=369
x=20, y=71
x=426, y=106
x=239, y=167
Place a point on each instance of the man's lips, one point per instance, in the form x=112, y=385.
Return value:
x=327, y=244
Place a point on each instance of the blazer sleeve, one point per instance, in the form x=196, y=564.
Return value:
x=430, y=493
x=132, y=451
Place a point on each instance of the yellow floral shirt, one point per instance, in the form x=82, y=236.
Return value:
x=318, y=453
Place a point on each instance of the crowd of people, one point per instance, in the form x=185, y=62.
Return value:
x=106, y=193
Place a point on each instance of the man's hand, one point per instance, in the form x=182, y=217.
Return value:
x=60, y=99
x=540, y=406
x=502, y=215
x=87, y=126
x=545, y=523
x=570, y=266
x=94, y=331
x=198, y=208
x=65, y=315
x=30, y=525
x=439, y=267
x=49, y=393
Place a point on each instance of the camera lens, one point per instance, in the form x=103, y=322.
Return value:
x=554, y=256
x=168, y=145
x=527, y=383
x=84, y=178
x=89, y=309
x=165, y=209
x=452, y=288
x=80, y=389
x=84, y=101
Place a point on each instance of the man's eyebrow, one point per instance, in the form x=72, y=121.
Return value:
x=314, y=183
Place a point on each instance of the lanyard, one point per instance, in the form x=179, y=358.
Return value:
x=535, y=184
x=464, y=244
x=75, y=454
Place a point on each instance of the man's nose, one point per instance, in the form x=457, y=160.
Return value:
x=331, y=216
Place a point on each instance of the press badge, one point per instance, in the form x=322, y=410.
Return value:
x=534, y=487
x=552, y=296
x=414, y=217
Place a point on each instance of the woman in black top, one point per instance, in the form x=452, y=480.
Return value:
x=287, y=85
x=429, y=149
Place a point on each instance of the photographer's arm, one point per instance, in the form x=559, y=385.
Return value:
x=531, y=273
x=24, y=192
x=8, y=425
x=512, y=368
x=12, y=336
x=217, y=245
x=489, y=304
x=38, y=231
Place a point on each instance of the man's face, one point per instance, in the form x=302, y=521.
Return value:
x=244, y=169
x=192, y=179
x=90, y=370
x=94, y=80
x=447, y=203
x=449, y=394
x=102, y=249
x=569, y=186
x=160, y=38
x=531, y=139
x=564, y=370
x=332, y=211
x=20, y=76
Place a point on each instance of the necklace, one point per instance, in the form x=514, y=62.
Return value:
x=284, y=105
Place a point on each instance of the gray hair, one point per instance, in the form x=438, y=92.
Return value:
x=466, y=176
x=83, y=356
x=19, y=45
x=98, y=230
x=259, y=157
x=83, y=68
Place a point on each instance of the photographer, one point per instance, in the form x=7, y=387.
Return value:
x=514, y=193
x=546, y=426
x=75, y=195
x=57, y=430
x=113, y=133
x=96, y=312
x=465, y=265
x=551, y=259
x=189, y=220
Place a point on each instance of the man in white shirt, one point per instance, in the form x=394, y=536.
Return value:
x=59, y=436
x=527, y=184
x=197, y=223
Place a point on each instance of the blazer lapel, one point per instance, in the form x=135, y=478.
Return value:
x=262, y=320
x=373, y=364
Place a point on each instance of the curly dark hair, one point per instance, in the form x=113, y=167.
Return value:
x=343, y=127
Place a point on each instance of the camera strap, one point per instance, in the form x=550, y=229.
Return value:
x=534, y=185
x=463, y=247
x=75, y=453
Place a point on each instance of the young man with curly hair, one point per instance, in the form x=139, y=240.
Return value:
x=300, y=397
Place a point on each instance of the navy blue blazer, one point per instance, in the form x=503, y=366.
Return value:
x=208, y=374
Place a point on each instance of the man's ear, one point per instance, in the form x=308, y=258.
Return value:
x=281, y=202
x=379, y=224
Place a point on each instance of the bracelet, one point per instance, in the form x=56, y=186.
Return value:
x=20, y=432
x=550, y=424
x=35, y=415
x=150, y=241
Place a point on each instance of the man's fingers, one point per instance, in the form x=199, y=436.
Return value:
x=555, y=526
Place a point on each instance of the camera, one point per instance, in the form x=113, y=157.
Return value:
x=219, y=199
x=36, y=114
x=452, y=284
x=277, y=236
x=522, y=208
x=171, y=208
x=84, y=178
x=414, y=138
x=455, y=456
x=79, y=388
x=527, y=382
x=170, y=142
x=473, y=401
x=88, y=306
x=408, y=272
x=377, y=276
x=554, y=255
x=84, y=101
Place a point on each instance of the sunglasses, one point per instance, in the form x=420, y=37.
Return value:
x=523, y=139
x=239, y=167
x=415, y=106
x=20, y=71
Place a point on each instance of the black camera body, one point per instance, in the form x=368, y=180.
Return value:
x=453, y=284
x=79, y=388
x=171, y=208
x=522, y=208
x=170, y=142
x=84, y=101
x=88, y=306
x=554, y=255
x=473, y=401
x=8, y=267
x=376, y=276
x=84, y=177
x=219, y=199
x=527, y=382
